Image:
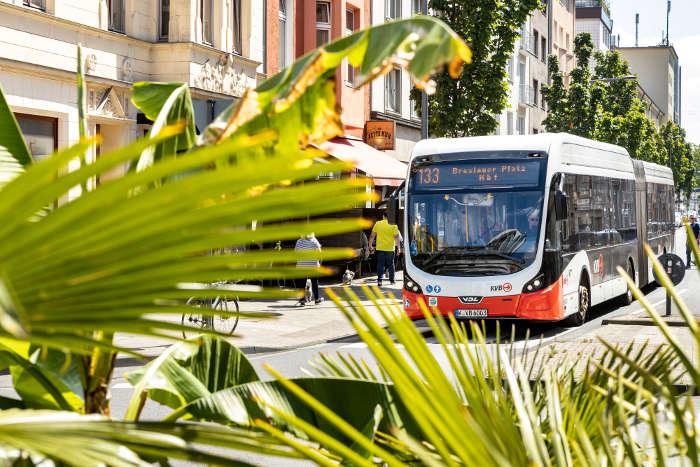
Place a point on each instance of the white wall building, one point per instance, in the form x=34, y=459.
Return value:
x=390, y=95
x=543, y=33
x=216, y=46
x=659, y=74
x=593, y=17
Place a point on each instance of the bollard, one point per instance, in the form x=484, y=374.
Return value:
x=669, y=271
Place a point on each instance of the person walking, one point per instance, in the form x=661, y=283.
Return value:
x=388, y=242
x=308, y=243
x=695, y=228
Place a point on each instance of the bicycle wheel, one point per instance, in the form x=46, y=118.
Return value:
x=225, y=323
x=194, y=319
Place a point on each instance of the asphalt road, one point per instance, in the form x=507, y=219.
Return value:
x=297, y=362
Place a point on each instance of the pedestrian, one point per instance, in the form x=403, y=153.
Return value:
x=388, y=242
x=308, y=243
x=695, y=228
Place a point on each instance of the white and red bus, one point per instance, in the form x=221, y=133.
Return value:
x=529, y=227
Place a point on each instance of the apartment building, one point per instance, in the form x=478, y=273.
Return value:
x=593, y=17
x=317, y=23
x=545, y=32
x=322, y=21
x=215, y=46
x=659, y=73
x=279, y=42
x=390, y=101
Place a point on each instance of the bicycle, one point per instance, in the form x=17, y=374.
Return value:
x=222, y=322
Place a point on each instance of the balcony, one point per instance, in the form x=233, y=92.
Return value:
x=593, y=4
x=528, y=44
x=526, y=95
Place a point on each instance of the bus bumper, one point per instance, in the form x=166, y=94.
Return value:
x=544, y=305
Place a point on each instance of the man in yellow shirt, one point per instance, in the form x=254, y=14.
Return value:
x=388, y=241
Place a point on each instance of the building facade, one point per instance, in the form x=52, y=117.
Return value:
x=321, y=21
x=593, y=17
x=390, y=95
x=544, y=33
x=279, y=41
x=215, y=46
x=659, y=74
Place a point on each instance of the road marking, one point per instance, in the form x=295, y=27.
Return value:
x=122, y=386
x=284, y=352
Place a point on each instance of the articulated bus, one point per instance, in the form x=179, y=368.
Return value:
x=529, y=227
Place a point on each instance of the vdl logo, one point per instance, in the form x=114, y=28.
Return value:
x=433, y=288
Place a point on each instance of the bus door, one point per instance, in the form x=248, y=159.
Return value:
x=640, y=192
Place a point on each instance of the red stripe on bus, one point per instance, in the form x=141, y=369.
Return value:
x=545, y=304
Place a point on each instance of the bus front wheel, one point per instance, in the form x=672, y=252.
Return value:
x=584, y=303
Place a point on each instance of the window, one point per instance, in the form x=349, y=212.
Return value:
x=535, y=92
x=509, y=69
x=566, y=45
x=521, y=125
x=323, y=23
x=509, y=123
x=38, y=4
x=40, y=133
x=236, y=26
x=115, y=10
x=659, y=209
x=414, y=109
x=283, y=34
x=393, y=90
x=544, y=49
x=164, y=19
x=349, y=29
x=521, y=72
x=393, y=9
x=417, y=6
x=601, y=212
x=535, y=41
x=205, y=17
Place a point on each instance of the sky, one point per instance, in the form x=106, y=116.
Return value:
x=684, y=36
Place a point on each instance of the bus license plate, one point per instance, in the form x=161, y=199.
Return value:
x=475, y=313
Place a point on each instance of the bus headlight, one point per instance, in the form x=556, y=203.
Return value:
x=535, y=284
x=411, y=285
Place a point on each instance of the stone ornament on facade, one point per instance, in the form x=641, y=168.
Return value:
x=224, y=77
x=105, y=102
x=90, y=63
x=127, y=69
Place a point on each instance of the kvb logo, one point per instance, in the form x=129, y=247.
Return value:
x=506, y=287
x=599, y=265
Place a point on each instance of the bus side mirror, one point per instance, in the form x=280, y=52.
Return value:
x=560, y=205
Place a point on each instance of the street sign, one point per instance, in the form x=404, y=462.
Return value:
x=674, y=267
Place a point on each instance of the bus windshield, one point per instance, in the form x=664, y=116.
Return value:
x=475, y=233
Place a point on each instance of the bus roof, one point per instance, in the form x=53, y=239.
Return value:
x=597, y=154
x=656, y=173
x=538, y=142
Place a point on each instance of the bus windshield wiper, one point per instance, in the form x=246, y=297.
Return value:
x=470, y=251
x=495, y=253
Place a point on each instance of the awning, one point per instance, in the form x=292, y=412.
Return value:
x=383, y=169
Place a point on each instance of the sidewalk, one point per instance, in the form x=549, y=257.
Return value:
x=291, y=326
x=633, y=327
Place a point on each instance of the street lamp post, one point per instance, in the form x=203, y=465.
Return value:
x=424, y=95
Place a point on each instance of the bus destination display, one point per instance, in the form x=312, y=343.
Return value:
x=477, y=174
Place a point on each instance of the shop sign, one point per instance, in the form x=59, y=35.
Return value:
x=380, y=134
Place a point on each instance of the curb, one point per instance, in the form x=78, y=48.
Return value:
x=126, y=360
x=641, y=322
